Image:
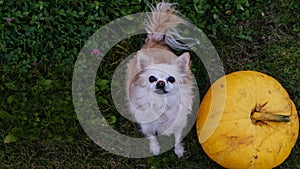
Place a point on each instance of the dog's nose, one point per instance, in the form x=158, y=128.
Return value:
x=160, y=85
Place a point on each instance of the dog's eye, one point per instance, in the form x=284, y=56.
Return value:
x=152, y=79
x=171, y=79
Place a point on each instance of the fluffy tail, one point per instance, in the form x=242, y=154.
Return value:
x=162, y=26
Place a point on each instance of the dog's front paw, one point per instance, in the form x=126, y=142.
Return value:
x=179, y=150
x=154, y=147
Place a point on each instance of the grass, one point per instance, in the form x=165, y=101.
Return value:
x=39, y=48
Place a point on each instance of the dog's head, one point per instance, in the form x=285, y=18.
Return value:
x=160, y=77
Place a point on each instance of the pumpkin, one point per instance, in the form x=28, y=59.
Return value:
x=247, y=120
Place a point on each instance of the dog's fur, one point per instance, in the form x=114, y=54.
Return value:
x=159, y=84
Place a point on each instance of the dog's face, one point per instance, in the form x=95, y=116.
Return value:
x=162, y=78
x=161, y=85
x=160, y=81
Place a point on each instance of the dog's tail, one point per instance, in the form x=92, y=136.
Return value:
x=162, y=26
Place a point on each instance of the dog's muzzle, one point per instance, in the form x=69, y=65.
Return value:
x=160, y=86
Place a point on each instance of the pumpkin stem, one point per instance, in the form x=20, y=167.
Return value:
x=259, y=116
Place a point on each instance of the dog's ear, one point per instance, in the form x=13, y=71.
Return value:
x=142, y=60
x=183, y=61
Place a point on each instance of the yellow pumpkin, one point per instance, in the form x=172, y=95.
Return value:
x=247, y=120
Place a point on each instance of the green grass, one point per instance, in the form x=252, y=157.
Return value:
x=39, y=48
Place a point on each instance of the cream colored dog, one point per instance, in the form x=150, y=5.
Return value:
x=160, y=84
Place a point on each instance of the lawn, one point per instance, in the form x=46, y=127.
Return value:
x=40, y=43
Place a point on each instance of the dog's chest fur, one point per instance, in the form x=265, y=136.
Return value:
x=161, y=112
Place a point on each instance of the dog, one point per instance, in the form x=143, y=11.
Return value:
x=159, y=84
